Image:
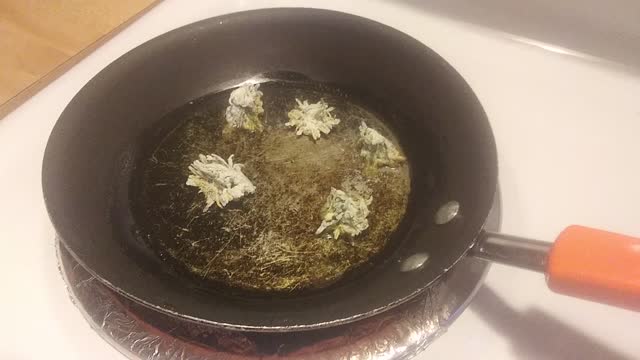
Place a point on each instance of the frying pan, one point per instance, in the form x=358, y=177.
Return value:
x=439, y=122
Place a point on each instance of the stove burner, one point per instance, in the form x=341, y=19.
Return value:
x=400, y=333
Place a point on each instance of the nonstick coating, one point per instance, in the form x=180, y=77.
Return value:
x=441, y=126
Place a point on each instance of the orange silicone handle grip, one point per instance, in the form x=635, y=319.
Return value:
x=596, y=265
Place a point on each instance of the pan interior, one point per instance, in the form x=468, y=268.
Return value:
x=266, y=241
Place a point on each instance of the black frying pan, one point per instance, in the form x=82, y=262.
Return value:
x=441, y=126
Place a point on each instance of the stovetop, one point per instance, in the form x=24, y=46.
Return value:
x=566, y=130
x=142, y=333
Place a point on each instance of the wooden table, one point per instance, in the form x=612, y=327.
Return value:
x=40, y=39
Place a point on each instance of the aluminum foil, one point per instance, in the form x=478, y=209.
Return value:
x=400, y=333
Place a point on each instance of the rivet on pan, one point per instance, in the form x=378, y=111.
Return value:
x=414, y=262
x=447, y=212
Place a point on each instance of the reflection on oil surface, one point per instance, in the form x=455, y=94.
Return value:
x=266, y=240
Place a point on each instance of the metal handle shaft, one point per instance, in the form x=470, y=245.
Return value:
x=512, y=250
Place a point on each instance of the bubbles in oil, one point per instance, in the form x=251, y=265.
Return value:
x=265, y=241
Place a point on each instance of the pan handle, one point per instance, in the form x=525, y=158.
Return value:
x=512, y=250
x=583, y=262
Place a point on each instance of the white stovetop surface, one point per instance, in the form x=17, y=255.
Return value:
x=568, y=134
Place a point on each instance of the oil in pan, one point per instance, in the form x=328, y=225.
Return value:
x=272, y=238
